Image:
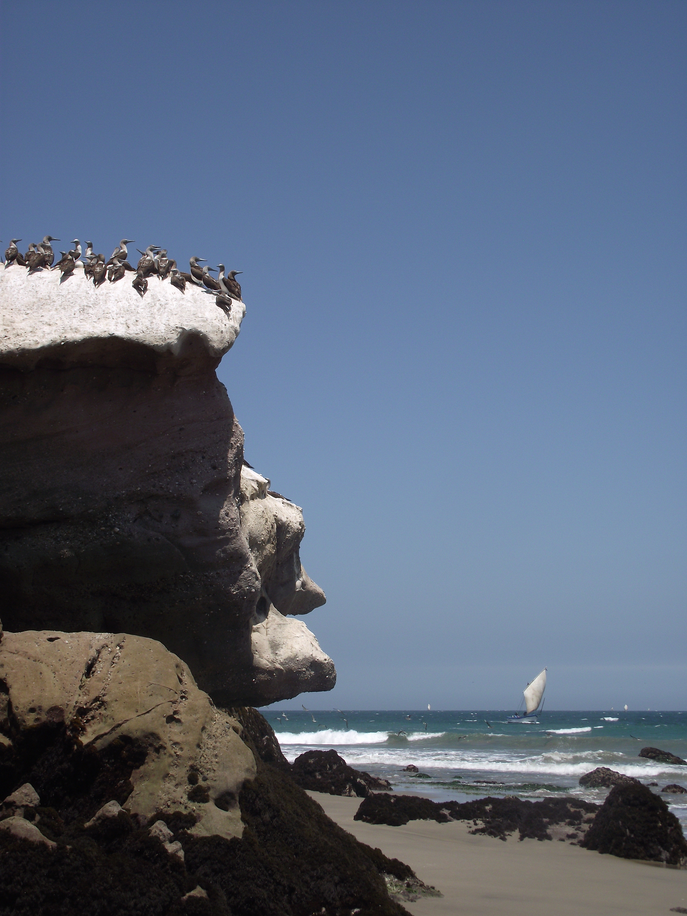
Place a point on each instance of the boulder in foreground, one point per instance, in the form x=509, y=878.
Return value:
x=634, y=823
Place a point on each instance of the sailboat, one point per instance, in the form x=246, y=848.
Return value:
x=534, y=694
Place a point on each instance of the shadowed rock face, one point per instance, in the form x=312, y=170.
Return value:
x=121, y=497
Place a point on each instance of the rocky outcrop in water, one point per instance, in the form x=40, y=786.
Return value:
x=603, y=777
x=654, y=753
x=123, y=506
x=327, y=771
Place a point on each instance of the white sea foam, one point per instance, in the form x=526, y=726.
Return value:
x=570, y=731
x=331, y=736
x=609, y=719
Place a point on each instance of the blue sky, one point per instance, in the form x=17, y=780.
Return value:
x=462, y=231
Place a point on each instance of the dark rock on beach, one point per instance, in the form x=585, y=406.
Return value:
x=603, y=777
x=654, y=753
x=634, y=823
x=326, y=771
x=496, y=817
x=291, y=860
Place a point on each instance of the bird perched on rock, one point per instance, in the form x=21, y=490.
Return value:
x=147, y=264
x=177, y=280
x=231, y=286
x=224, y=302
x=140, y=284
x=13, y=255
x=120, y=252
x=34, y=258
x=196, y=271
x=117, y=269
x=46, y=248
x=98, y=271
x=163, y=263
x=88, y=259
x=208, y=281
x=65, y=265
x=75, y=252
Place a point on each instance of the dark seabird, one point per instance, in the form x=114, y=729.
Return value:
x=196, y=271
x=231, y=284
x=76, y=250
x=46, y=248
x=210, y=282
x=176, y=279
x=120, y=251
x=140, y=284
x=98, y=271
x=88, y=261
x=34, y=258
x=13, y=255
x=189, y=278
x=164, y=264
x=146, y=264
x=117, y=270
x=224, y=302
x=65, y=265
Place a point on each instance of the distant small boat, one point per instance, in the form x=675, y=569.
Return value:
x=534, y=696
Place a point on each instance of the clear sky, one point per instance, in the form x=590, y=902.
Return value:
x=462, y=231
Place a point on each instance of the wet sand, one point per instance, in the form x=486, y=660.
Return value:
x=483, y=876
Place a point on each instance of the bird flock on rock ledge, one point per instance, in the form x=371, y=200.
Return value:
x=153, y=262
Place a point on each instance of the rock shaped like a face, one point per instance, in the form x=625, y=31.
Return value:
x=120, y=493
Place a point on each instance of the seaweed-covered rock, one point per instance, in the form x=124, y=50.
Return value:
x=326, y=771
x=396, y=810
x=259, y=735
x=655, y=753
x=292, y=860
x=603, y=777
x=674, y=789
x=498, y=816
x=634, y=823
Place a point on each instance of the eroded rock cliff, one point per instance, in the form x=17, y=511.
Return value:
x=123, y=507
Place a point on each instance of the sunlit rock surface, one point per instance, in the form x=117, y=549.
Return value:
x=121, y=504
x=100, y=688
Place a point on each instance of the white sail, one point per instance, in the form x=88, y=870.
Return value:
x=534, y=692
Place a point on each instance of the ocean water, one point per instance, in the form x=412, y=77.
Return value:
x=465, y=755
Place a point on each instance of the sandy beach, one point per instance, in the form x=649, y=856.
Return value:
x=483, y=876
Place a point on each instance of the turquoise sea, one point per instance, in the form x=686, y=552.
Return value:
x=463, y=754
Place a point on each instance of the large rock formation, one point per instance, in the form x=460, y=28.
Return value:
x=122, y=504
x=95, y=717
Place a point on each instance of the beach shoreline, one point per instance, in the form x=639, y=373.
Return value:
x=485, y=876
